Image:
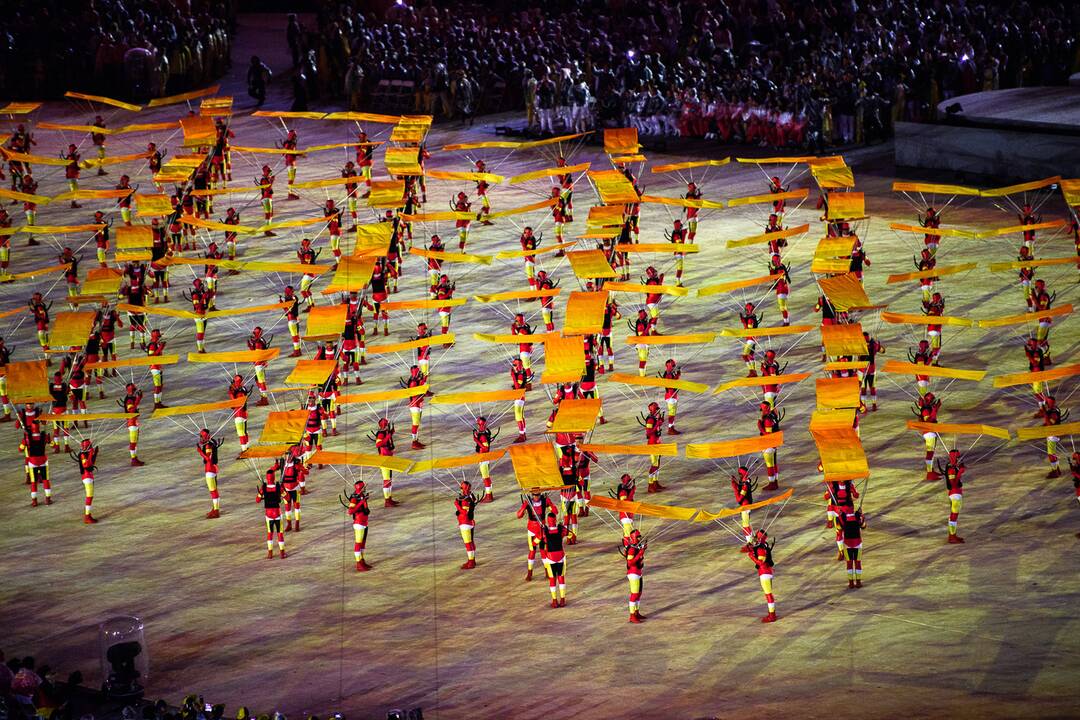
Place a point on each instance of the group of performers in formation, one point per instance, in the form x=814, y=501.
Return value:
x=551, y=527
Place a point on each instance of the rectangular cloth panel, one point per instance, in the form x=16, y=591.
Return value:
x=60, y=229
x=578, y=416
x=666, y=512
x=514, y=254
x=904, y=368
x=183, y=97
x=940, y=271
x=826, y=425
x=24, y=197
x=456, y=461
x=613, y=187
x=286, y=426
x=387, y=194
x=19, y=108
x=846, y=206
x=178, y=410
x=845, y=292
x=1044, y=431
x=1010, y=229
x=768, y=237
x=826, y=266
x=612, y=505
x=683, y=202
x=760, y=381
x=933, y=188
x=1044, y=262
x=1070, y=189
x=1055, y=373
x=617, y=159
x=235, y=356
x=767, y=331
x=837, y=393
x=843, y=461
x=939, y=231
x=1022, y=187
x=621, y=141
x=479, y=396
x=705, y=516
x=585, y=312
x=152, y=205
x=672, y=290
x=605, y=216
x=451, y=257
x=549, y=172
x=843, y=340
x=522, y=209
x=517, y=295
x=657, y=382
x=439, y=216
x=264, y=451
x=564, y=359
x=71, y=329
x=838, y=366
x=726, y=287
x=352, y=274
x=835, y=247
x=102, y=281
x=589, y=264
x=27, y=382
x=465, y=176
x=833, y=177
x=1059, y=311
x=447, y=339
x=402, y=161
x=959, y=429
x=134, y=236
x=328, y=457
x=535, y=466
x=662, y=248
x=311, y=372
x=383, y=395
x=75, y=417
x=326, y=321
x=35, y=273
x=422, y=304
x=675, y=167
x=734, y=448
x=289, y=114
x=665, y=449
x=198, y=130
x=799, y=194
x=144, y=361
x=895, y=318
x=507, y=339
x=694, y=339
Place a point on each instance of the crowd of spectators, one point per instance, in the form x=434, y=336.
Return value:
x=770, y=72
x=131, y=49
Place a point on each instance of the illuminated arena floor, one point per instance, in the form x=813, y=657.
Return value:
x=988, y=629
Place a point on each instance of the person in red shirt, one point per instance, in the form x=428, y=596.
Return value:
x=926, y=410
x=86, y=460
x=289, y=145
x=759, y=550
x=633, y=549
x=743, y=486
x=270, y=496
x=237, y=390
x=692, y=193
x=653, y=424
x=554, y=557
x=953, y=472
x=359, y=512
x=130, y=404
x=265, y=184
x=465, y=512
x=852, y=523
x=332, y=213
x=535, y=506
x=34, y=446
x=71, y=172
x=768, y=423
x=207, y=447
x=781, y=285
x=461, y=204
x=383, y=438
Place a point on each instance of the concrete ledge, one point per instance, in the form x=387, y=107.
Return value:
x=993, y=152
